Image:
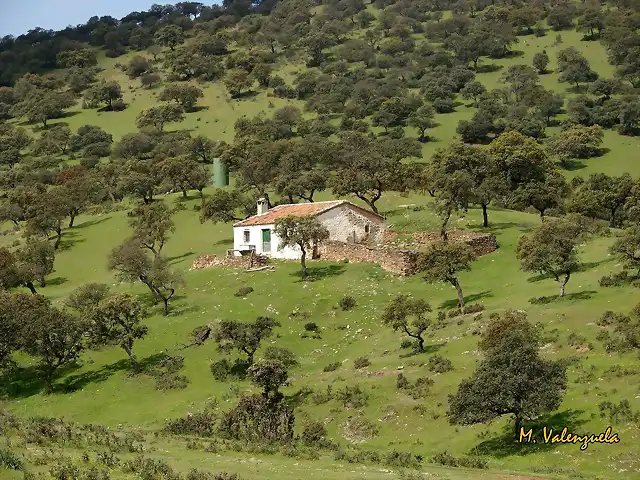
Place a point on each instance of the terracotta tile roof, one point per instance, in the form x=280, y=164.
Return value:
x=296, y=210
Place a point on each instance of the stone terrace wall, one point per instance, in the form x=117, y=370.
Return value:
x=397, y=261
x=230, y=261
x=401, y=258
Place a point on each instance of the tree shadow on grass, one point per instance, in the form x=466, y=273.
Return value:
x=69, y=239
x=298, y=398
x=23, y=382
x=572, y=165
x=453, y=303
x=585, y=295
x=499, y=226
x=175, y=259
x=489, y=68
x=506, y=444
x=319, y=273
x=428, y=349
x=56, y=281
x=224, y=241
x=73, y=383
x=90, y=223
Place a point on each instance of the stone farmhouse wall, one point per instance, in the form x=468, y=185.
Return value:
x=397, y=258
x=348, y=225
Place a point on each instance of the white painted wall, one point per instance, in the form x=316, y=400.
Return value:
x=255, y=238
x=341, y=222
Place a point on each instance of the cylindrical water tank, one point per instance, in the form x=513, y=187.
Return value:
x=220, y=173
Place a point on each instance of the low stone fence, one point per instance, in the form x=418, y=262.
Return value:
x=393, y=260
x=401, y=258
x=230, y=261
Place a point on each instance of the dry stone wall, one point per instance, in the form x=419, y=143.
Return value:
x=401, y=258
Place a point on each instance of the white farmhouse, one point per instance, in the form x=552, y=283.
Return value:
x=345, y=222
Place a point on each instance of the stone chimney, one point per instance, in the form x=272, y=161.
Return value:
x=263, y=206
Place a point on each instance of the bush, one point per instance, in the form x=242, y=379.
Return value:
x=10, y=460
x=473, y=308
x=171, y=381
x=198, y=424
x=221, y=369
x=406, y=343
x=347, y=303
x=321, y=398
x=440, y=364
x=402, y=383
x=332, y=367
x=421, y=388
x=361, y=362
x=616, y=279
x=466, y=462
x=454, y=313
x=150, y=469
x=243, y=292
x=311, y=327
x=402, y=460
x=314, y=434
x=352, y=396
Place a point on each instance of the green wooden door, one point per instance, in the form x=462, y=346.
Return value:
x=266, y=241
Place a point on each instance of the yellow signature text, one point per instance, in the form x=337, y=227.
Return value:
x=549, y=436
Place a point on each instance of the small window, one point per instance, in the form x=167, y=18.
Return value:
x=246, y=237
x=366, y=228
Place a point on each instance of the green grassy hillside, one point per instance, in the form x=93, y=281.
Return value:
x=101, y=390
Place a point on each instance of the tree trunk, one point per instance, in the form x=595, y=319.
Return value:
x=485, y=216
x=72, y=218
x=518, y=425
x=42, y=282
x=420, y=343
x=58, y=238
x=303, y=263
x=132, y=357
x=456, y=284
x=31, y=288
x=541, y=215
x=563, y=283
x=165, y=300
x=48, y=381
x=184, y=193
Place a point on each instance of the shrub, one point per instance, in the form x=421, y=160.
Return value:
x=473, y=308
x=421, y=388
x=358, y=456
x=402, y=460
x=360, y=428
x=575, y=340
x=10, y=460
x=221, y=369
x=311, y=327
x=199, y=424
x=313, y=434
x=150, y=469
x=451, y=461
x=361, y=362
x=321, y=398
x=440, y=364
x=454, y=313
x=352, y=396
x=618, y=413
x=258, y=419
x=332, y=367
x=64, y=470
x=406, y=343
x=243, y=292
x=402, y=382
x=347, y=303
x=171, y=381
x=616, y=279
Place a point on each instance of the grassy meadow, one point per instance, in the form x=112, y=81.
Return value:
x=100, y=390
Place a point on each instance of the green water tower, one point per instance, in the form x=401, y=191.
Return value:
x=220, y=173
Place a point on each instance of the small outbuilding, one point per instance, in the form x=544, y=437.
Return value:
x=346, y=222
